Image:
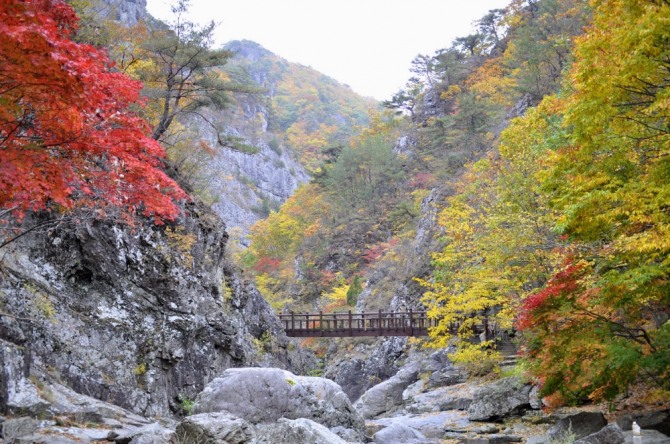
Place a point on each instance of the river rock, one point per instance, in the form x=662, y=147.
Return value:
x=147, y=434
x=387, y=395
x=454, y=397
x=443, y=372
x=498, y=399
x=373, y=362
x=610, y=434
x=580, y=425
x=398, y=434
x=295, y=431
x=214, y=428
x=18, y=427
x=431, y=425
x=262, y=395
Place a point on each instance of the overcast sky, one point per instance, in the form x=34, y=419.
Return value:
x=367, y=44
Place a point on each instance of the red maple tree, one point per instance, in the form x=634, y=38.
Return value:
x=69, y=136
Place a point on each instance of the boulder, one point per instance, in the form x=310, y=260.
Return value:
x=449, y=375
x=535, y=400
x=370, y=363
x=454, y=397
x=295, y=431
x=579, y=425
x=18, y=427
x=148, y=439
x=349, y=435
x=499, y=399
x=431, y=425
x=398, y=434
x=262, y=395
x=351, y=375
x=610, y=434
x=387, y=395
x=146, y=434
x=214, y=428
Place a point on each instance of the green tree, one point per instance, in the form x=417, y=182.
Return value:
x=490, y=27
x=364, y=175
x=354, y=290
x=541, y=39
x=182, y=76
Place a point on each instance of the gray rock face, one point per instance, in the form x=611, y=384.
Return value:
x=295, y=431
x=377, y=363
x=385, y=396
x=499, y=399
x=351, y=375
x=13, y=429
x=398, y=434
x=214, y=428
x=87, y=419
x=126, y=12
x=455, y=397
x=252, y=183
x=138, y=317
x=431, y=425
x=610, y=434
x=263, y=395
x=580, y=425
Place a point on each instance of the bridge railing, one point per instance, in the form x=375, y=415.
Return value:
x=379, y=323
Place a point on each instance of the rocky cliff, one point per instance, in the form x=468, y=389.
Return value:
x=246, y=184
x=128, y=12
x=142, y=317
x=275, y=135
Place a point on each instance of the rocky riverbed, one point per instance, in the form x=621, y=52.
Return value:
x=274, y=406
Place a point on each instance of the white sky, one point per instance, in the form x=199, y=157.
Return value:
x=366, y=44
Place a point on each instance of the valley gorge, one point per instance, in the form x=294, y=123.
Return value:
x=304, y=196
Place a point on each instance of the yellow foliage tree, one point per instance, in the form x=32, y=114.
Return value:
x=499, y=246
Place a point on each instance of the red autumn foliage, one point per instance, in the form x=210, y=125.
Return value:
x=562, y=283
x=422, y=180
x=376, y=251
x=327, y=278
x=68, y=134
x=267, y=265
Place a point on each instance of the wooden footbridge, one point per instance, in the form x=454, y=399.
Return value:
x=403, y=323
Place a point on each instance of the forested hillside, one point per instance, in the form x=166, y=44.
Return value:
x=366, y=199
x=521, y=176
x=541, y=141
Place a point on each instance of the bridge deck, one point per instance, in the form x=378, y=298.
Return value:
x=379, y=323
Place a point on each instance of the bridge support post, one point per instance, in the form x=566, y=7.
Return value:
x=381, y=327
